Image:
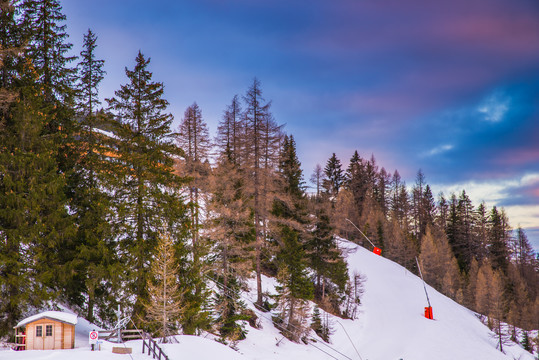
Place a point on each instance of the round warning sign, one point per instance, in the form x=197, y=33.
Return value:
x=93, y=337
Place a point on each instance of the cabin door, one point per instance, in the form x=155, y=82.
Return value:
x=38, y=338
x=48, y=339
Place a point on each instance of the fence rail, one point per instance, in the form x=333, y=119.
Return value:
x=126, y=334
x=153, y=348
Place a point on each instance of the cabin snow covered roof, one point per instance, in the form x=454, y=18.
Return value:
x=54, y=315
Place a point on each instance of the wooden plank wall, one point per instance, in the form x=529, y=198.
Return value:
x=64, y=334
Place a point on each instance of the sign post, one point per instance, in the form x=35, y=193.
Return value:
x=94, y=335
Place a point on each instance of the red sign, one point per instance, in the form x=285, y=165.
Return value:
x=93, y=337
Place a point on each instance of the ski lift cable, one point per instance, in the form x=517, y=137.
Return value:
x=262, y=314
x=346, y=332
x=311, y=340
x=361, y=232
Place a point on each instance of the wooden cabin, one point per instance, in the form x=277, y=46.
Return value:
x=49, y=330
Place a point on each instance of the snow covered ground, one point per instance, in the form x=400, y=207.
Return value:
x=390, y=326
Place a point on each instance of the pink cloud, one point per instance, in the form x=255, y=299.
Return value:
x=519, y=157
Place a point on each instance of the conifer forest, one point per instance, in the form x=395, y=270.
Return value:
x=105, y=202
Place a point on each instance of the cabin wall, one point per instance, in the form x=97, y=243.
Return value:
x=30, y=333
x=63, y=335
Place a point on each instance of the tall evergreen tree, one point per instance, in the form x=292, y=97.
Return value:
x=95, y=258
x=10, y=46
x=91, y=74
x=325, y=258
x=418, y=206
x=34, y=223
x=44, y=31
x=498, y=248
x=48, y=48
x=288, y=230
x=334, y=176
x=146, y=193
x=356, y=181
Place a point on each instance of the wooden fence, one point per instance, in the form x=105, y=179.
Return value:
x=126, y=334
x=153, y=348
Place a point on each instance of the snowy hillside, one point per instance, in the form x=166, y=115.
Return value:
x=390, y=326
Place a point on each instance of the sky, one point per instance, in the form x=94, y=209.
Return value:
x=448, y=87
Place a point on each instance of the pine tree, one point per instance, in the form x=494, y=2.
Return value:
x=91, y=74
x=164, y=305
x=320, y=324
x=334, y=176
x=356, y=181
x=34, y=223
x=146, y=192
x=498, y=240
x=325, y=259
x=525, y=342
x=95, y=259
x=48, y=48
x=10, y=47
x=417, y=204
x=394, y=196
x=442, y=212
x=523, y=252
x=288, y=231
x=382, y=191
x=481, y=231
x=45, y=34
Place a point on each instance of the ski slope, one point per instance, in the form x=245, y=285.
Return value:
x=390, y=326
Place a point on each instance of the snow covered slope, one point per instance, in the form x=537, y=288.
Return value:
x=390, y=326
x=391, y=323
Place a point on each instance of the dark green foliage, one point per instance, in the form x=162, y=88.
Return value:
x=10, y=44
x=91, y=73
x=95, y=263
x=525, y=342
x=292, y=259
x=35, y=226
x=334, y=176
x=196, y=314
x=146, y=193
x=498, y=240
x=230, y=310
x=319, y=325
x=47, y=48
x=290, y=167
x=289, y=212
x=325, y=259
